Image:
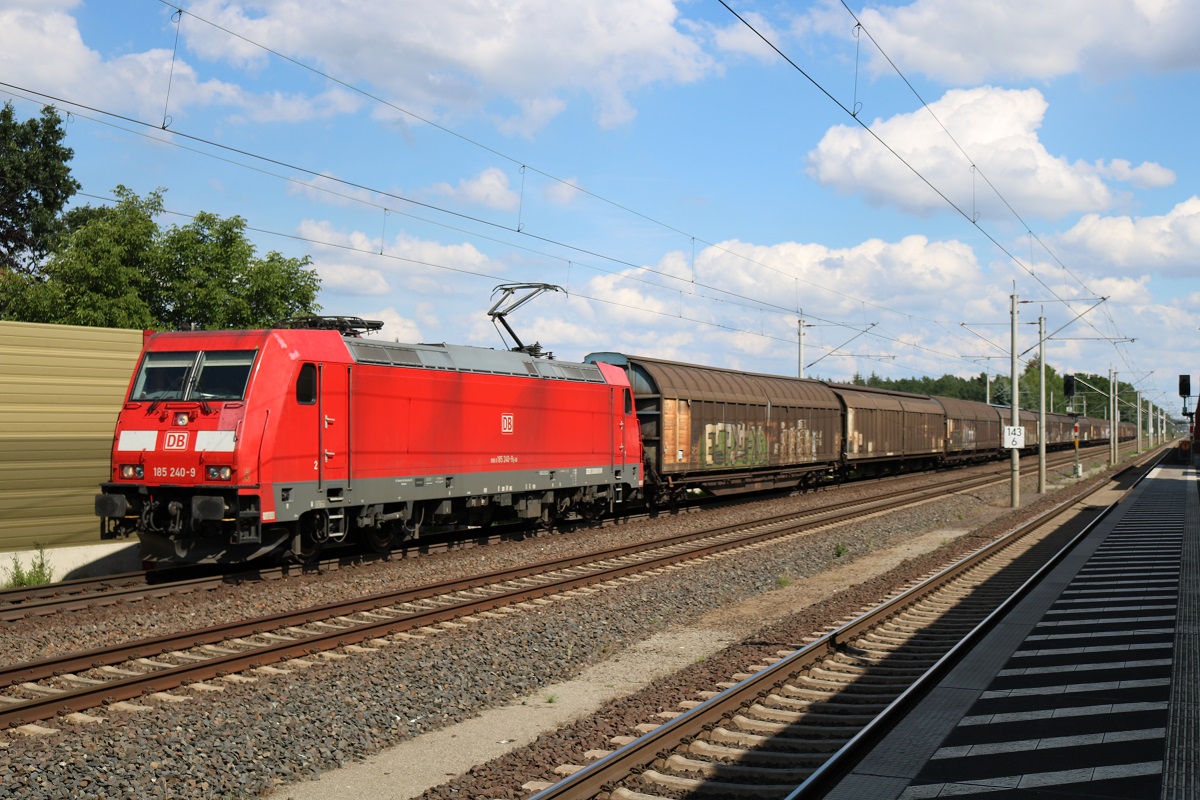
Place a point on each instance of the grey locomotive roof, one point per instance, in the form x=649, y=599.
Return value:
x=459, y=358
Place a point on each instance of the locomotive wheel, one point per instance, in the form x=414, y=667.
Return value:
x=310, y=536
x=593, y=512
x=381, y=539
x=305, y=549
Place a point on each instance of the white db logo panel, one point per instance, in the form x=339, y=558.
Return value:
x=506, y=424
x=175, y=440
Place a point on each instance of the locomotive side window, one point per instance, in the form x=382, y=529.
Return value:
x=306, y=385
x=163, y=376
x=628, y=402
x=222, y=375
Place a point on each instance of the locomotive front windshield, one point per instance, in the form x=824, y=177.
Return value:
x=195, y=375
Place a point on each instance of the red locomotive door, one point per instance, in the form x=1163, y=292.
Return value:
x=624, y=422
x=333, y=424
x=624, y=404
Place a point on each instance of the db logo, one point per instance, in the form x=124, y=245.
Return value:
x=175, y=440
x=506, y=423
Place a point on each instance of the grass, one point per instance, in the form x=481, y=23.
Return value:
x=39, y=571
x=840, y=550
x=783, y=581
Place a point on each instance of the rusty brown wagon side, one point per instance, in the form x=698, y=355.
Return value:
x=887, y=431
x=720, y=430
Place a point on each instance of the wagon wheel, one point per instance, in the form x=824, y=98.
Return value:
x=677, y=498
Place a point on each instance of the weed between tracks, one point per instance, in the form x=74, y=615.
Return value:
x=39, y=571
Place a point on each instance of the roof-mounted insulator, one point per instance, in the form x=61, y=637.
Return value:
x=347, y=326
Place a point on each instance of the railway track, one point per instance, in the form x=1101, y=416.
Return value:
x=37, y=691
x=74, y=595
x=778, y=729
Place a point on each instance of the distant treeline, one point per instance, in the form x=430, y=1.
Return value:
x=1091, y=390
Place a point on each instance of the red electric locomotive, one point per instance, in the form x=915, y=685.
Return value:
x=237, y=444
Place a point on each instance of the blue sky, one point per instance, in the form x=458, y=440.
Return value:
x=693, y=191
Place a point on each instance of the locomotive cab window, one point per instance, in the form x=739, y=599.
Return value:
x=212, y=375
x=163, y=376
x=306, y=385
x=222, y=375
x=628, y=402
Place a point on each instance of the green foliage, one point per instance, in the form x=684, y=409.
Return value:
x=39, y=571
x=840, y=550
x=35, y=184
x=102, y=273
x=115, y=267
x=783, y=581
x=945, y=386
x=999, y=389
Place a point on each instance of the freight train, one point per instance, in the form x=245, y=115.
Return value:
x=235, y=445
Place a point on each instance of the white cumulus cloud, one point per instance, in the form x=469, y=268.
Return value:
x=1166, y=244
x=998, y=128
x=489, y=188
x=41, y=48
x=961, y=44
x=450, y=58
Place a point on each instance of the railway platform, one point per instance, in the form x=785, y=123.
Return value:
x=1090, y=688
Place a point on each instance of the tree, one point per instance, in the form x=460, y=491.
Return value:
x=116, y=268
x=102, y=274
x=35, y=184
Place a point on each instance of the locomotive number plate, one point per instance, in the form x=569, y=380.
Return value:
x=174, y=472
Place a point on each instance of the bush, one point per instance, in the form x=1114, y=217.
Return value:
x=39, y=571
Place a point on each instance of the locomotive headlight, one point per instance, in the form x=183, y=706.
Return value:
x=132, y=472
x=218, y=473
x=182, y=418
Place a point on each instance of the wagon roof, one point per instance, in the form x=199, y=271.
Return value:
x=857, y=396
x=674, y=379
x=957, y=408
